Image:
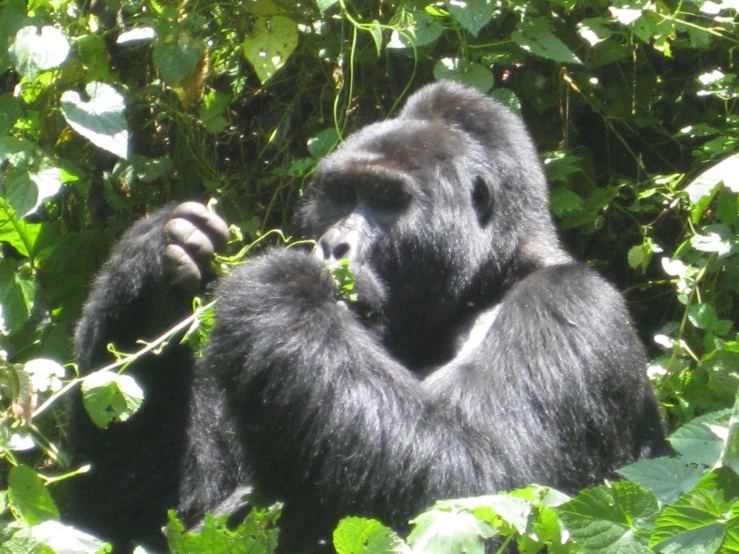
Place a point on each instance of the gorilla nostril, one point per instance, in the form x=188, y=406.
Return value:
x=340, y=251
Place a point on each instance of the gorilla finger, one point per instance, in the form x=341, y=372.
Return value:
x=185, y=233
x=181, y=268
x=215, y=227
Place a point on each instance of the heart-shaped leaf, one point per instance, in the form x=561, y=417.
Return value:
x=33, y=53
x=101, y=120
x=270, y=45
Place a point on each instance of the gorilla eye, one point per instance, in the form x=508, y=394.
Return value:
x=340, y=193
x=385, y=196
x=482, y=200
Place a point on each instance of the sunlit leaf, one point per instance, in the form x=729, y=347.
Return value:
x=100, y=120
x=471, y=73
x=536, y=37
x=108, y=397
x=27, y=492
x=33, y=52
x=270, y=44
x=356, y=535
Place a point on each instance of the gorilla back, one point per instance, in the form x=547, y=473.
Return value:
x=477, y=358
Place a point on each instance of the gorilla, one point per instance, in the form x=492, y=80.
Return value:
x=478, y=355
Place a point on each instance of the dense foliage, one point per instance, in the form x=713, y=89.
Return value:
x=109, y=109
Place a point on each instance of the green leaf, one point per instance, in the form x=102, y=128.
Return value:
x=639, y=256
x=473, y=15
x=424, y=30
x=564, y=201
x=325, y=141
x=730, y=454
x=701, y=190
x=536, y=37
x=17, y=294
x=12, y=18
x=270, y=45
x=257, y=534
x=323, y=5
x=10, y=111
x=27, y=492
x=19, y=234
x=667, y=478
x=700, y=441
x=444, y=532
x=376, y=31
x=93, y=54
x=27, y=191
x=108, y=396
x=33, y=53
x=212, y=111
x=356, y=535
x=500, y=510
x=594, y=30
x=461, y=70
x=690, y=526
x=101, y=120
x=176, y=53
x=703, y=316
x=610, y=519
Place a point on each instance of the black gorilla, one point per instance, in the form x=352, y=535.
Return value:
x=479, y=356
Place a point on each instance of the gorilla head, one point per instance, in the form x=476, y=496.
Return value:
x=438, y=211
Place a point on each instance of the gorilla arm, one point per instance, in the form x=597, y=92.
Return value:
x=332, y=424
x=147, y=285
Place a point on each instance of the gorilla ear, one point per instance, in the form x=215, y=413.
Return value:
x=482, y=200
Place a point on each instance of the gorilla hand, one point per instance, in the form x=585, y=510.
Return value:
x=193, y=234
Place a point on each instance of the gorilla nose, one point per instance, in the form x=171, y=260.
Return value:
x=337, y=244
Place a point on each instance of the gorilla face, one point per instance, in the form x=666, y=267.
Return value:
x=410, y=204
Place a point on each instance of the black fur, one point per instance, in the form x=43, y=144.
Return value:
x=480, y=357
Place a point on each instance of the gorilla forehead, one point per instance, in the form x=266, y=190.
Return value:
x=403, y=145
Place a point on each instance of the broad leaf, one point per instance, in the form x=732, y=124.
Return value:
x=691, y=525
x=31, y=498
x=443, y=531
x=473, y=15
x=33, y=52
x=101, y=120
x=270, y=45
x=667, y=478
x=536, y=37
x=176, y=53
x=471, y=73
x=356, y=535
x=610, y=519
x=27, y=191
x=108, y=397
